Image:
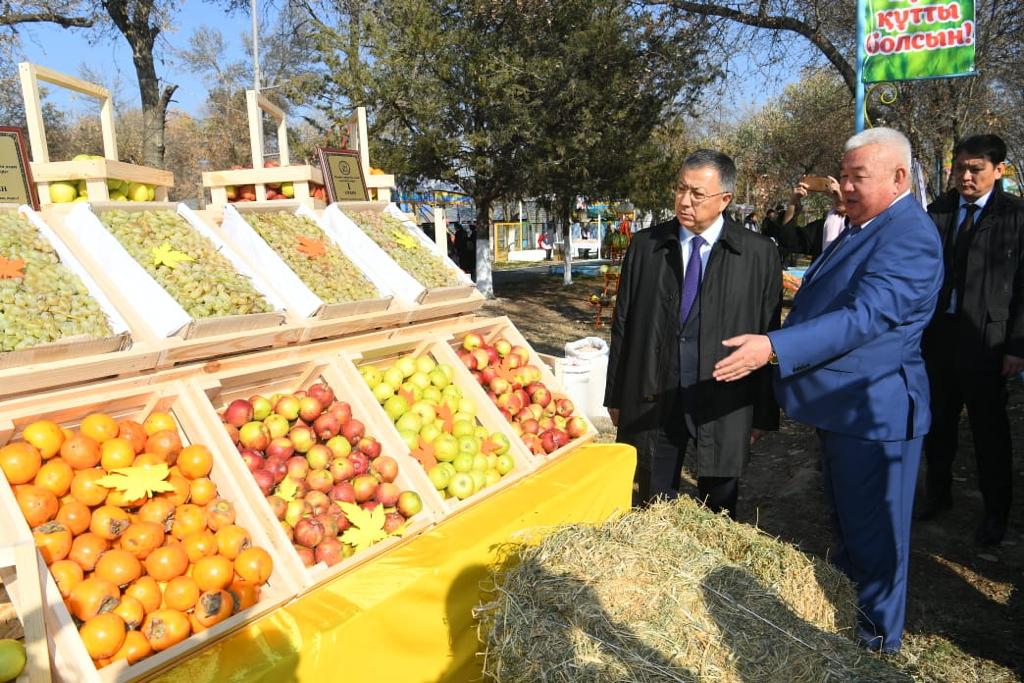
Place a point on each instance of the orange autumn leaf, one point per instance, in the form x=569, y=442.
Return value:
x=311, y=247
x=407, y=394
x=505, y=372
x=11, y=269
x=425, y=454
x=487, y=446
x=445, y=413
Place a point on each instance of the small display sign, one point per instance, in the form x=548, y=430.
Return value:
x=343, y=175
x=16, y=186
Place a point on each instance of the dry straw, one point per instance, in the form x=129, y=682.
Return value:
x=670, y=593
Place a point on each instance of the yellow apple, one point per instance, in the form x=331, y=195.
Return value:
x=151, y=190
x=61, y=193
x=288, y=190
x=137, y=192
x=118, y=196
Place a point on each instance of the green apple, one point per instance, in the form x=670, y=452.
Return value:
x=461, y=486
x=417, y=392
x=463, y=462
x=480, y=462
x=382, y=391
x=394, y=377
x=425, y=364
x=447, y=370
x=371, y=375
x=481, y=432
x=502, y=442
x=420, y=379
x=467, y=406
x=479, y=479
x=446, y=447
x=395, y=407
x=492, y=477
x=439, y=477
x=438, y=378
x=492, y=461
x=409, y=421
x=506, y=464
x=448, y=467
x=339, y=445
x=411, y=438
x=463, y=428
x=118, y=197
x=62, y=193
x=452, y=393
x=425, y=411
x=83, y=188
x=406, y=365
x=432, y=395
x=430, y=432
x=469, y=445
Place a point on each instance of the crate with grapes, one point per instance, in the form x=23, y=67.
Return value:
x=49, y=306
x=175, y=273
x=314, y=273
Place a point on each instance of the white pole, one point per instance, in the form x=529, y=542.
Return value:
x=255, y=47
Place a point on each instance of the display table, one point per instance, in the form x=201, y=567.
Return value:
x=407, y=615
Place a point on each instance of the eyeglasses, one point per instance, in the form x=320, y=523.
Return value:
x=696, y=196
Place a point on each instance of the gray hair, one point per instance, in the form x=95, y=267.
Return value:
x=722, y=163
x=887, y=137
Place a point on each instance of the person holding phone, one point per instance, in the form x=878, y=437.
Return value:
x=813, y=238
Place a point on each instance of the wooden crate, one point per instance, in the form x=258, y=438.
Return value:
x=23, y=575
x=151, y=308
x=71, y=662
x=95, y=172
x=494, y=328
x=77, y=347
x=302, y=176
x=301, y=301
x=384, y=356
x=403, y=284
x=291, y=376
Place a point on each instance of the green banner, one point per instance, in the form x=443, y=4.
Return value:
x=908, y=39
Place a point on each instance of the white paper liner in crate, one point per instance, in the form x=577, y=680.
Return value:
x=370, y=257
x=392, y=210
x=117, y=323
x=152, y=303
x=298, y=298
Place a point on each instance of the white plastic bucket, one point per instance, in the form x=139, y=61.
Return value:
x=594, y=352
x=576, y=380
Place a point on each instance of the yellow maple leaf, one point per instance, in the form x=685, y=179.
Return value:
x=404, y=239
x=138, y=482
x=165, y=255
x=367, y=526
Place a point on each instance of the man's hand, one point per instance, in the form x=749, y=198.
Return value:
x=755, y=435
x=799, y=192
x=1012, y=365
x=752, y=352
x=613, y=413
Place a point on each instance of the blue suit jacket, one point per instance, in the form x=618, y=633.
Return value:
x=850, y=351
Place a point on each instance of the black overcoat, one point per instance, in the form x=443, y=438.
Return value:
x=741, y=293
x=991, y=321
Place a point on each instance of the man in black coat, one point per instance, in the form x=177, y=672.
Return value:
x=685, y=286
x=976, y=339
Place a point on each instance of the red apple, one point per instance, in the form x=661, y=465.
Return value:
x=547, y=440
x=353, y=431
x=287, y=407
x=387, y=494
x=289, y=531
x=530, y=426
x=238, y=412
x=309, y=409
x=302, y=438
x=343, y=492
x=277, y=467
x=254, y=435
x=502, y=346
x=319, y=502
x=487, y=375
x=393, y=522
x=330, y=552
x=576, y=426
x=305, y=555
x=309, y=532
x=522, y=352
x=327, y=426
x=319, y=456
x=499, y=385
x=541, y=396
x=265, y=480
x=409, y=504
x=369, y=446
x=492, y=354
x=281, y=446
x=298, y=467
x=342, y=469
x=320, y=480
x=360, y=461
x=386, y=467
x=253, y=460
x=472, y=341
x=365, y=487
x=482, y=359
x=564, y=407
x=322, y=393
x=469, y=360
x=278, y=505
x=329, y=522
x=232, y=431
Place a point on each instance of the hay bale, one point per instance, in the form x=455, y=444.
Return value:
x=670, y=593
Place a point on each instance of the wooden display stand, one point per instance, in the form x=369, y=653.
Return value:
x=95, y=172
x=301, y=176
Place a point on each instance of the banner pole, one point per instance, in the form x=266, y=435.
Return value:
x=858, y=119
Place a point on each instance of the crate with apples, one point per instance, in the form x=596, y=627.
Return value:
x=316, y=273
x=522, y=387
x=150, y=547
x=438, y=412
x=314, y=459
x=50, y=307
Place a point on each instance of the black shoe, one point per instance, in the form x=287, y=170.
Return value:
x=990, y=532
x=932, y=507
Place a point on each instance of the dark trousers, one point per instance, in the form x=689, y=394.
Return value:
x=984, y=394
x=659, y=473
x=870, y=487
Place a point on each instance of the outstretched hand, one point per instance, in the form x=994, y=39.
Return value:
x=752, y=352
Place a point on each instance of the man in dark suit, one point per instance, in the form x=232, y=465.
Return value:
x=813, y=238
x=848, y=361
x=684, y=285
x=976, y=339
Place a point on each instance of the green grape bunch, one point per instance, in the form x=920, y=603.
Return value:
x=208, y=286
x=50, y=302
x=415, y=258
x=331, y=275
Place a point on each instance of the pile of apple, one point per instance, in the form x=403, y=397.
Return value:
x=308, y=455
x=438, y=424
x=543, y=422
x=247, y=193
x=67, y=191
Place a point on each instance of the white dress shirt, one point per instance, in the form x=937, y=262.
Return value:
x=710, y=236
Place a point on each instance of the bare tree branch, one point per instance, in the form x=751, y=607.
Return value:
x=45, y=18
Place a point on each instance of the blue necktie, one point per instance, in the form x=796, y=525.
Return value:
x=691, y=279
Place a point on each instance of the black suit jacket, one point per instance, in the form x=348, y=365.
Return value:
x=991, y=321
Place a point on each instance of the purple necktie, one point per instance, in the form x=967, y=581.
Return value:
x=691, y=279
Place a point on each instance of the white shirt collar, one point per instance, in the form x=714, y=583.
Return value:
x=868, y=222
x=980, y=202
x=710, y=236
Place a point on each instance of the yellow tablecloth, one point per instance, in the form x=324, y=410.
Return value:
x=406, y=615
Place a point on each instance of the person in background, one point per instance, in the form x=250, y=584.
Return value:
x=813, y=238
x=848, y=362
x=544, y=242
x=683, y=285
x=976, y=339
x=750, y=222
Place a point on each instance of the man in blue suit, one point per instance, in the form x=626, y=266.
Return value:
x=849, y=363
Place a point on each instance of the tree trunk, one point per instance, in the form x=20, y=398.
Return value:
x=484, y=276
